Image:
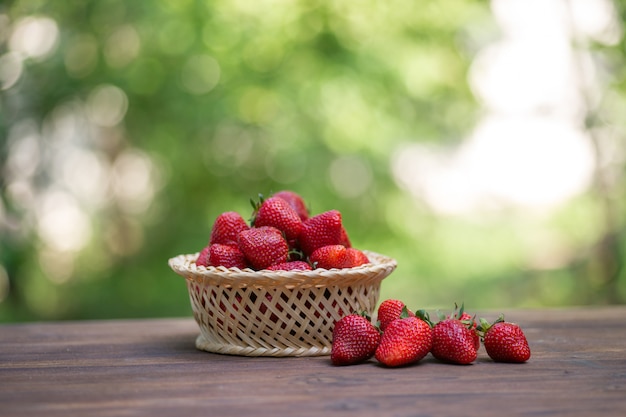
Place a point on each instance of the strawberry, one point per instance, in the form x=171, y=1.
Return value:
x=344, y=239
x=203, y=257
x=504, y=341
x=390, y=310
x=263, y=246
x=226, y=256
x=291, y=266
x=329, y=257
x=404, y=341
x=356, y=257
x=277, y=213
x=355, y=340
x=469, y=320
x=295, y=201
x=454, y=342
x=226, y=228
x=321, y=230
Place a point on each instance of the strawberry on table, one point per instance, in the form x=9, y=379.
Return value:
x=390, y=310
x=404, y=341
x=504, y=341
x=454, y=341
x=226, y=228
x=469, y=320
x=278, y=213
x=295, y=201
x=355, y=340
x=263, y=246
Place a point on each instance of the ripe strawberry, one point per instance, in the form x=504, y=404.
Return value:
x=355, y=340
x=321, y=230
x=277, y=213
x=390, y=310
x=468, y=320
x=404, y=341
x=329, y=257
x=203, y=256
x=344, y=239
x=226, y=228
x=263, y=246
x=291, y=266
x=356, y=257
x=504, y=341
x=226, y=256
x=295, y=201
x=454, y=341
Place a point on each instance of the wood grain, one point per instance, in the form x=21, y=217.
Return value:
x=151, y=367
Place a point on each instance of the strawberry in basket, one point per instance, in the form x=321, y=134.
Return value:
x=282, y=235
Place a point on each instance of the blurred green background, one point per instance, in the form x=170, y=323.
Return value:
x=481, y=144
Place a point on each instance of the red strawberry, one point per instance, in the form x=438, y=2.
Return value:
x=203, y=257
x=291, y=266
x=329, y=257
x=321, y=230
x=295, y=201
x=277, y=213
x=404, y=341
x=345, y=240
x=355, y=340
x=390, y=310
x=356, y=257
x=454, y=341
x=467, y=317
x=226, y=228
x=226, y=256
x=263, y=246
x=504, y=341
x=469, y=320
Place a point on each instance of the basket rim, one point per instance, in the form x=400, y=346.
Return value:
x=184, y=265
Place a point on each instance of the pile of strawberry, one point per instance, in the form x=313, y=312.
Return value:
x=402, y=337
x=281, y=235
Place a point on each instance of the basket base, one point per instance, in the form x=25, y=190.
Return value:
x=203, y=343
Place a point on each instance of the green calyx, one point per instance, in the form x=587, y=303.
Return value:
x=484, y=325
x=365, y=314
x=423, y=315
x=255, y=208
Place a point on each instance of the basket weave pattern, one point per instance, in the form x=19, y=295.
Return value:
x=277, y=313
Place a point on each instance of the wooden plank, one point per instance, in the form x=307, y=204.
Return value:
x=140, y=367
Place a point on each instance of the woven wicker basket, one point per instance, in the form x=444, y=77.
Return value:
x=277, y=313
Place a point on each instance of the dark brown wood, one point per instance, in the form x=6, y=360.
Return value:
x=151, y=367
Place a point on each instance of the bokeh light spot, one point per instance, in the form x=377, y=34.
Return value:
x=35, y=37
x=133, y=181
x=11, y=68
x=350, y=176
x=62, y=224
x=258, y=105
x=107, y=105
x=200, y=74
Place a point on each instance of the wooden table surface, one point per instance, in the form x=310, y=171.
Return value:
x=151, y=367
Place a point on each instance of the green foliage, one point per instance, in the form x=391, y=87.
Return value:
x=151, y=118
